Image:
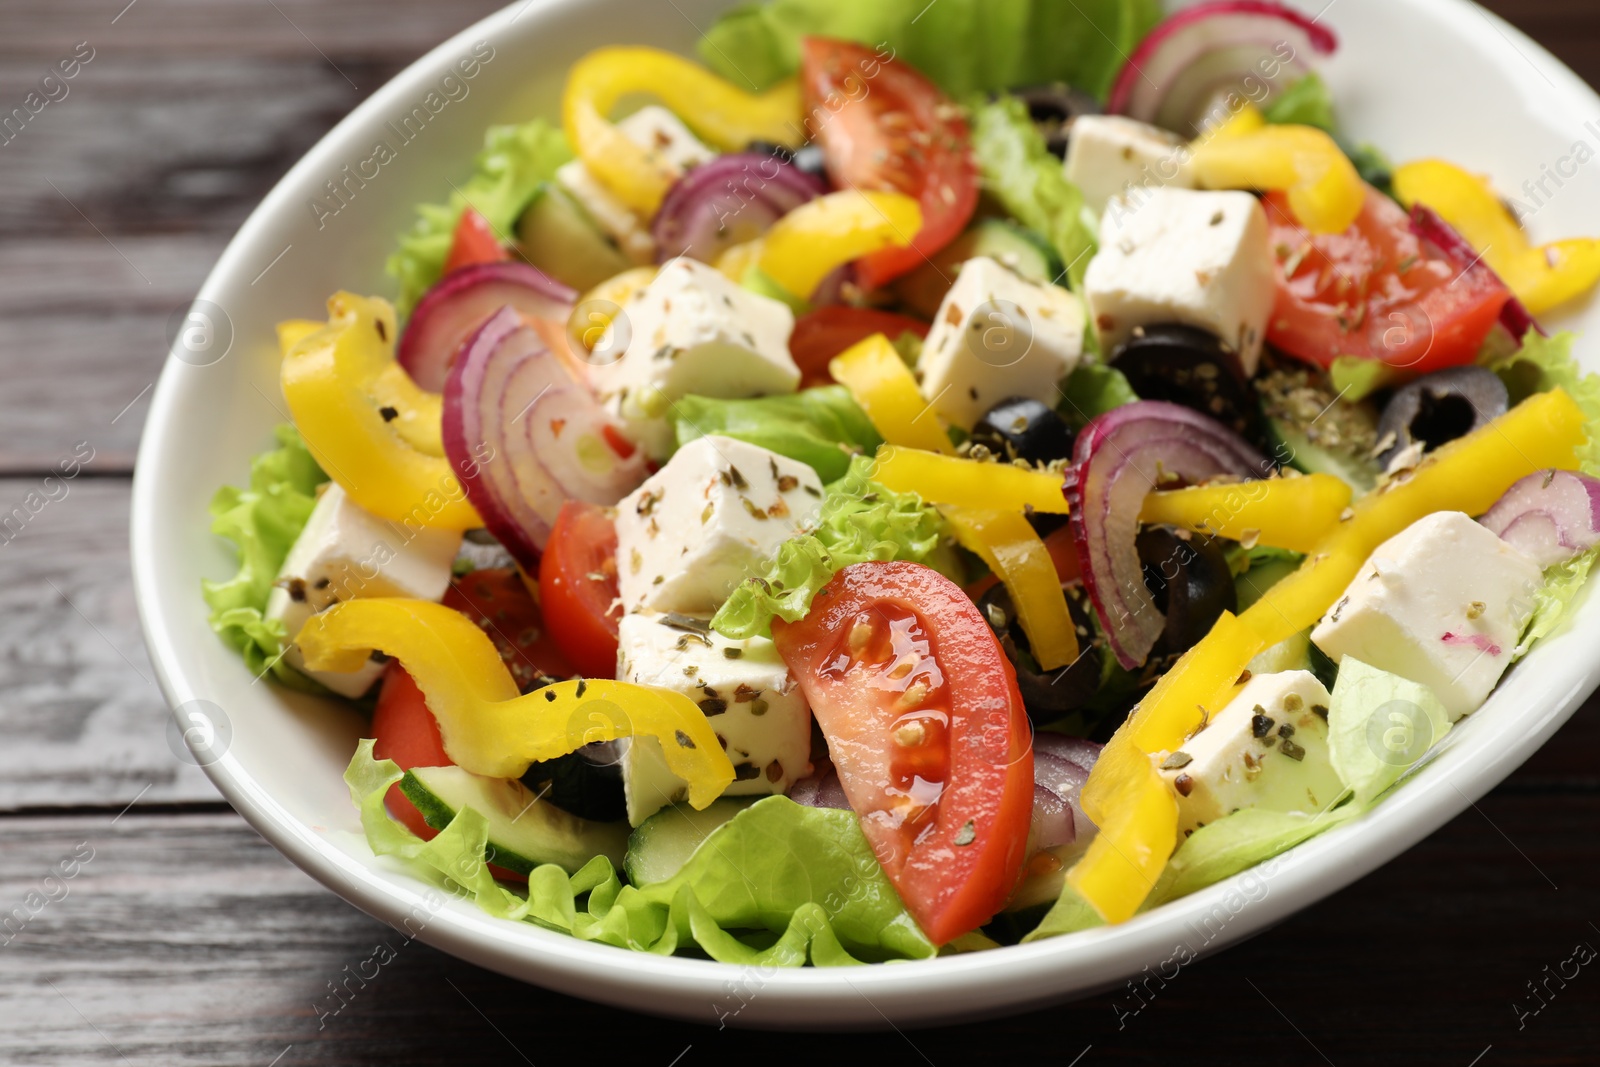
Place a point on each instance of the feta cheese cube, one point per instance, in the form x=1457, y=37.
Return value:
x=1189, y=258
x=344, y=553
x=663, y=135
x=1268, y=749
x=997, y=337
x=693, y=530
x=692, y=331
x=1109, y=156
x=746, y=692
x=1441, y=603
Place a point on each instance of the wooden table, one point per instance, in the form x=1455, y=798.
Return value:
x=182, y=938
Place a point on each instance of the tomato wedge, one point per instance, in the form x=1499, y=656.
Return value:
x=474, y=242
x=497, y=599
x=883, y=126
x=925, y=726
x=1376, y=291
x=578, y=587
x=824, y=333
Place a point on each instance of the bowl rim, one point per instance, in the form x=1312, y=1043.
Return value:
x=904, y=993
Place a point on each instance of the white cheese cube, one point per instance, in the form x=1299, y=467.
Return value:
x=1267, y=749
x=663, y=135
x=1173, y=256
x=752, y=702
x=1110, y=156
x=997, y=337
x=694, y=529
x=345, y=553
x=1441, y=603
x=692, y=331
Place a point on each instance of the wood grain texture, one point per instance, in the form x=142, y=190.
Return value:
x=186, y=939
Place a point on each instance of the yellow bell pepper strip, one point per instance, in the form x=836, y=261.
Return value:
x=418, y=415
x=1014, y=552
x=340, y=381
x=487, y=726
x=822, y=235
x=1325, y=191
x=1542, y=277
x=736, y=263
x=720, y=113
x=1293, y=513
x=881, y=383
x=1133, y=808
x=967, y=483
x=1137, y=833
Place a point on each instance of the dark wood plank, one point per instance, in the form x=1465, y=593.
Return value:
x=82, y=720
x=189, y=940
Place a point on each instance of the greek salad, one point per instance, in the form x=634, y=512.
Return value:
x=918, y=483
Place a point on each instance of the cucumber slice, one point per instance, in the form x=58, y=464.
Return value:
x=556, y=235
x=1293, y=653
x=1025, y=253
x=524, y=831
x=1294, y=448
x=1253, y=584
x=664, y=842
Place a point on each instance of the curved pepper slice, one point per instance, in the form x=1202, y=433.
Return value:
x=1138, y=831
x=967, y=483
x=487, y=726
x=822, y=235
x=1543, y=277
x=1291, y=513
x=720, y=113
x=1325, y=190
x=344, y=390
x=881, y=383
x=1014, y=552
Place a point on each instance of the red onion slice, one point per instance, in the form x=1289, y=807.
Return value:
x=820, y=789
x=1188, y=61
x=728, y=201
x=1549, y=516
x=1061, y=766
x=525, y=437
x=1119, y=458
x=449, y=313
x=1428, y=225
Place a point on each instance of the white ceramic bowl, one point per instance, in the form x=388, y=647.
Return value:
x=1417, y=77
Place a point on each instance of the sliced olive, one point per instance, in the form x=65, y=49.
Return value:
x=1188, y=366
x=1021, y=428
x=587, y=783
x=1189, y=577
x=1438, y=408
x=1053, y=109
x=1048, y=695
x=807, y=158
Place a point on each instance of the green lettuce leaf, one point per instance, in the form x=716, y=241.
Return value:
x=778, y=885
x=819, y=427
x=1305, y=103
x=263, y=522
x=1554, y=598
x=860, y=521
x=1093, y=389
x=1379, y=726
x=965, y=46
x=1069, y=914
x=1019, y=171
x=1545, y=363
x=514, y=160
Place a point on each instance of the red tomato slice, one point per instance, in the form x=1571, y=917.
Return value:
x=824, y=333
x=1376, y=291
x=927, y=731
x=474, y=242
x=578, y=587
x=883, y=126
x=500, y=603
